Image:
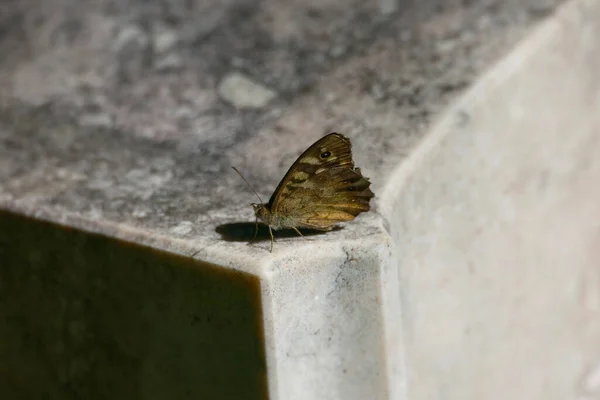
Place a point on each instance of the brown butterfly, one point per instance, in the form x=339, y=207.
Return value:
x=319, y=190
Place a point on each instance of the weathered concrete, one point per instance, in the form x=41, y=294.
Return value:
x=112, y=121
x=496, y=221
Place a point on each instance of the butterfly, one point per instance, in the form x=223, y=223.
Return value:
x=321, y=189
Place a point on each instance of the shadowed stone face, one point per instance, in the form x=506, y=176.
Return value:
x=123, y=118
x=111, y=317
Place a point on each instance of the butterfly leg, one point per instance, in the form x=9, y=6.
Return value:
x=255, y=228
x=298, y=232
x=272, y=238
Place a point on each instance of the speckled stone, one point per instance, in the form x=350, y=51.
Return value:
x=242, y=92
x=496, y=218
x=118, y=146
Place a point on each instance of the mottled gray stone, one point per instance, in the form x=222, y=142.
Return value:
x=165, y=40
x=388, y=307
x=101, y=120
x=242, y=92
x=130, y=39
x=169, y=62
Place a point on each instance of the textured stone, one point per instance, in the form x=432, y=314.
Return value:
x=164, y=41
x=242, y=92
x=496, y=218
x=419, y=298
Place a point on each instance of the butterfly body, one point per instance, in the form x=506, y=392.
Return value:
x=321, y=189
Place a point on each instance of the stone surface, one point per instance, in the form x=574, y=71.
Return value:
x=497, y=224
x=111, y=121
x=242, y=92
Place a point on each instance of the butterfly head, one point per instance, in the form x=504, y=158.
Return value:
x=261, y=211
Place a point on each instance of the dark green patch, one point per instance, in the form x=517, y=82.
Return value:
x=84, y=316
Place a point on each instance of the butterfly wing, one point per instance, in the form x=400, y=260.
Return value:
x=336, y=147
x=322, y=187
x=332, y=196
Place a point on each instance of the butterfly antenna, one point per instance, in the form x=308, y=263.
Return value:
x=247, y=183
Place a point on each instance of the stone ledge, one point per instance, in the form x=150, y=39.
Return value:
x=496, y=223
x=144, y=155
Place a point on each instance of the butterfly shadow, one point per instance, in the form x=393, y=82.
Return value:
x=244, y=232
